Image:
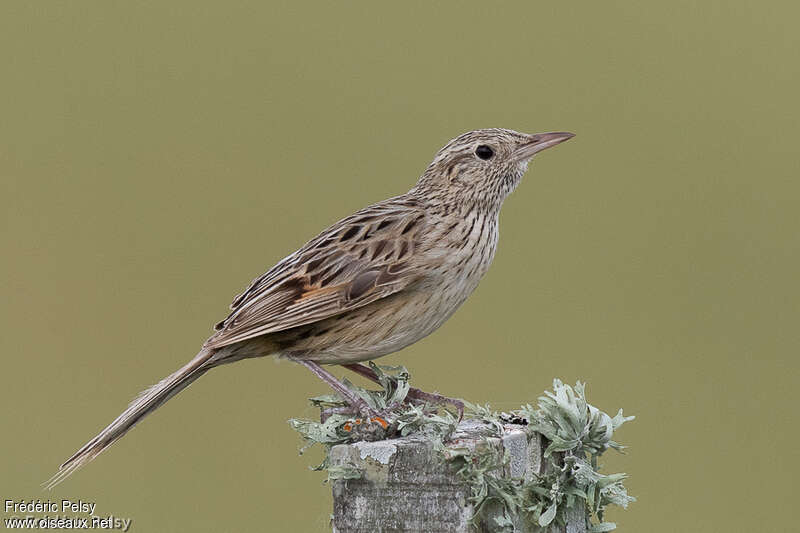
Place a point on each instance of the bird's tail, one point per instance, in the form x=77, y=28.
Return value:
x=148, y=401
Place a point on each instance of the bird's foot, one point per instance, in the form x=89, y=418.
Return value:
x=326, y=412
x=414, y=395
x=361, y=413
x=356, y=404
x=419, y=396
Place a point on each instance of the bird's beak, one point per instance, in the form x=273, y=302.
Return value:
x=539, y=142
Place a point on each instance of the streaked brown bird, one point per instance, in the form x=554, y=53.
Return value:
x=369, y=285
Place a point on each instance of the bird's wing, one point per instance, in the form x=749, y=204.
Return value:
x=358, y=260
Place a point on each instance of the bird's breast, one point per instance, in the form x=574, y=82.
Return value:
x=465, y=251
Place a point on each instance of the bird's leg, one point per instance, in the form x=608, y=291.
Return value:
x=367, y=372
x=432, y=397
x=414, y=394
x=353, y=399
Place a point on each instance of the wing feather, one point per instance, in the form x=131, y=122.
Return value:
x=361, y=259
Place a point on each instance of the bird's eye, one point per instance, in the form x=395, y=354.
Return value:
x=484, y=152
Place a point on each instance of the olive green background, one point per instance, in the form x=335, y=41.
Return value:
x=156, y=156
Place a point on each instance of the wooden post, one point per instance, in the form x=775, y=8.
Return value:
x=405, y=485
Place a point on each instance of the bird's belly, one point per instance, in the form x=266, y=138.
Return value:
x=380, y=328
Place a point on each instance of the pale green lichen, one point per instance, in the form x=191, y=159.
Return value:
x=406, y=419
x=577, y=433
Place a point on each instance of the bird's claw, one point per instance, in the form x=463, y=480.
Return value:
x=418, y=396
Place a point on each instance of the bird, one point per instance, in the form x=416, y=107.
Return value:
x=369, y=285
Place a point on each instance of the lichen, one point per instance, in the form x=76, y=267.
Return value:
x=377, y=452
x=577, y=434
x=406, y=418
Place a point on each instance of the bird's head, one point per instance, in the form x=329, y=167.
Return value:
x=482, y=167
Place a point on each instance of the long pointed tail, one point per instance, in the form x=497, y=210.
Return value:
x=148, y=401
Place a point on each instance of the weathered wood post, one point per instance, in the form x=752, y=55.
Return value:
x=531, y=470
x=405, y=484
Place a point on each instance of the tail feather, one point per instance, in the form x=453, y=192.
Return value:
x=145, y=403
